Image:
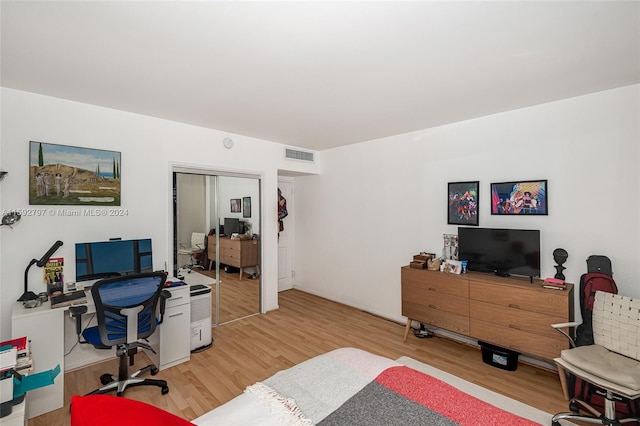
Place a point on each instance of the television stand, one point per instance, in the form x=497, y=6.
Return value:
x=502, y=274
x=508, y=312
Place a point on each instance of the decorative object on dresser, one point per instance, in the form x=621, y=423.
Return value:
x=560, y=255
x=508, y=312
x=420, y=260
x=450, y=249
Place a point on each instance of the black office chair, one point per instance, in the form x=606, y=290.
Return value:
x=127, y=310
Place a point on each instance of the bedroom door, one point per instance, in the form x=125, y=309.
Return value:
x=285, y=238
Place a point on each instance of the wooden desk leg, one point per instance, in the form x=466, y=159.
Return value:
x=240, y=279
x=407, y=328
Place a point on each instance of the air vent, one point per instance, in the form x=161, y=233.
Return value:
x=294, y=154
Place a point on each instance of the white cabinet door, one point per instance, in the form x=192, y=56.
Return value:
x=174, y=336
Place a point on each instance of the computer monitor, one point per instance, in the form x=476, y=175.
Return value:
x=103, y=259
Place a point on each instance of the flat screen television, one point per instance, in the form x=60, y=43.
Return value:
x=103, y=259
x=501, y=251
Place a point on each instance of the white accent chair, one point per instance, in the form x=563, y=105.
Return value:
x=612, y=363
x=197, y=247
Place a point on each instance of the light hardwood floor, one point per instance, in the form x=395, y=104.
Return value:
x=256, y=347
x=238, y=298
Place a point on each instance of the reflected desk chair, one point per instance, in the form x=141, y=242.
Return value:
x=128, y=308
x=611, y=364
x=195, y=251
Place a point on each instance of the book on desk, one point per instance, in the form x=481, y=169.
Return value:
x=67, y=299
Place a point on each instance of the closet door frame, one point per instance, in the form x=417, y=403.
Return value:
x=214, y=172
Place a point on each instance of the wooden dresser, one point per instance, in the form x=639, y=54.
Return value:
x=237, y=253
x=509, y=312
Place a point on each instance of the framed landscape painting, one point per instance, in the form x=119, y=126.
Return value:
x=519, y=198
x=462, y=203
x=69, y=175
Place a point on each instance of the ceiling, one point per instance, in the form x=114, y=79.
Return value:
x=318, y=75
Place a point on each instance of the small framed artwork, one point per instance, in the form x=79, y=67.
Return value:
x=453, y=266
x=70, y=175
x=524, y=198
x=462, y=203
x=246, y=206
x=236, y=206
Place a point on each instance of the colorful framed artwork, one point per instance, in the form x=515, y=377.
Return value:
x=522, y=198
x=69, y=175
x=462, y=203
x=236, y=205
x=246, y=206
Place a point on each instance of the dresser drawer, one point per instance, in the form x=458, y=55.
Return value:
x=436, y=300
x=436, y=282
x=534, y=299
x=517, y=340
x=516, y=319
x=442, y=319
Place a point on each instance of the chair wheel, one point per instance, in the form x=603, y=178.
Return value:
x=555, y=423
x=165, y=390
x=154, y=371
x=105, y=379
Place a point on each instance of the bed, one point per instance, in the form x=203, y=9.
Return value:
x=353, y=387
x=350, y=386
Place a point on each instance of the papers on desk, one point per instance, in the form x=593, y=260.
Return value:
x=67, y=299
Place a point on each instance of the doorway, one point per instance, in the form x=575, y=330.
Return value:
x=285, y=236
x=203, y=202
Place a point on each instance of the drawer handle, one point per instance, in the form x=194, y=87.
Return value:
x=511, y=305
x=175, y=298
x=432, y=289
x=433, y=307
x=177, y=314
x=514, y=326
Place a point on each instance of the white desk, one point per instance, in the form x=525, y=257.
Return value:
x=53, y=337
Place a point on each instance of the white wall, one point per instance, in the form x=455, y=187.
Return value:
x=238, y=188
x=149, y=148
x=376, y=204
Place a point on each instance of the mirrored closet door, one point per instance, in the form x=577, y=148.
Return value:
x=221, y=212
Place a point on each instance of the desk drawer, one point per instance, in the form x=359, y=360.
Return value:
x=179, y=296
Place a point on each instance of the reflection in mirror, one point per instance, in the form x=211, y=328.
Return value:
x=204, y=204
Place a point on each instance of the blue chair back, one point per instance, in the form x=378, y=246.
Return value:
x=114, y=296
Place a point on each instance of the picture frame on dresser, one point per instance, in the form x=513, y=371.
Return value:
x=527, y=197
x=462, y=203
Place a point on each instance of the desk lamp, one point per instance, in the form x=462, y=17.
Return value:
x=29, y=295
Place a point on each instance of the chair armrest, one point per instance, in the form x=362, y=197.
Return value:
x=77, y=312
x=562, y=325
x=565, y=325
x=164, y=295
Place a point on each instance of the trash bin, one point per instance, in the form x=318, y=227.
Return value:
x=498, y=357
